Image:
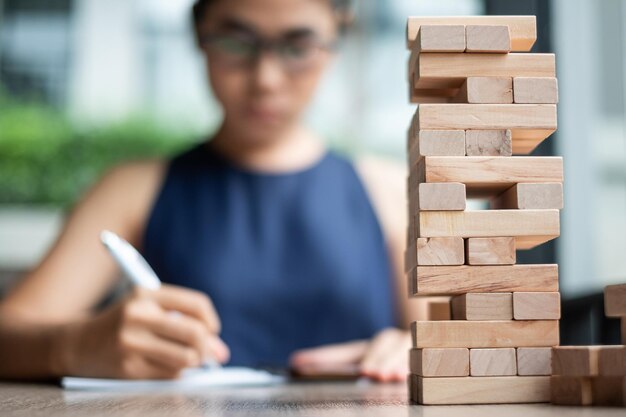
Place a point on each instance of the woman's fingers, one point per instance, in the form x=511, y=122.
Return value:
x=166, y=353
x=387, y=357
x=144, y=368
x=181, y=328
x=394, y=368
x=343, y=353
x=189, y=302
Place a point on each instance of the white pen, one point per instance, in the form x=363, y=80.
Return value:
x=137, y=269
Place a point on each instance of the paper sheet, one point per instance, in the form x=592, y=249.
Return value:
x=197, y=377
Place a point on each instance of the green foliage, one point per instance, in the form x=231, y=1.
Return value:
x=45, y=160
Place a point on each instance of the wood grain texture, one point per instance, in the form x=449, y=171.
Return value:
x=440, y=362
x=487, y=38
x=440, y=38
x=493, y=362
x=534, y=361
x=440, y=251
x=442, y=196
x=570, y=390
x=536, y=305
x=436, y=143
x=535, y=90
x=320, y=399
x=615, y=300
x=435, y=251
x=484, y=334
x=522, y=29
x=489, y=176
x=531, y=196
x=612, y=361
x=488, y=143
x=487, y=116
x=575, y=360
x=485, y=90
x=529, y=227
x=482, y=306
x=446, y=71
x=456, y=280
x=481, y=390
x=490, y=251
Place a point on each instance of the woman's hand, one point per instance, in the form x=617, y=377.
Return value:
x=384, y=358
x=149, y=334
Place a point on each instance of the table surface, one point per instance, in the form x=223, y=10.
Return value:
x=322, y=399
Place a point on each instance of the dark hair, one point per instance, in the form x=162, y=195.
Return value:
x=343, y=10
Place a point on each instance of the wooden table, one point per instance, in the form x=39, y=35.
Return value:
x=361, y=399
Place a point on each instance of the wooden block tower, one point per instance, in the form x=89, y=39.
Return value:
x=482, y=99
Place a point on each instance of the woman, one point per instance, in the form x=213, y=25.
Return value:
x=271, y=246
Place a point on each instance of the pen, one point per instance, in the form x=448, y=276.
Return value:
x=137, y=269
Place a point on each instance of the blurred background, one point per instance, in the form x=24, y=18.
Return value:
x=87, y=84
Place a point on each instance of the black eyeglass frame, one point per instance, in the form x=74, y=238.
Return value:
x=261, y=45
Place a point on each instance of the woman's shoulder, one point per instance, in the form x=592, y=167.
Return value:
x=132, y=174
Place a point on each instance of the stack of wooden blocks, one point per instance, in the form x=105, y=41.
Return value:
x=593, y=375
x=479, y=104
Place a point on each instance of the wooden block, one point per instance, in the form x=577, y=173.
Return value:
x=487, y=38
x=528, y=196
x=489, y=176
x=484, y=334
x=624, y=330
x=439, y=251
x=440, y=362
x=534, y=361
x=607, y=391
x=440, y=38
x=530, y=124
x=451, y=280
x=615, y=300
x=487, y=116
x=490, y=251
x=570, y=390
x=449, y=70
x=536, y=305
x=529, y=227
x=442, y=196
x=575, y=360
x=436, y=143
x=485, y=90
x=493, y=362
x=612, y=361
x=535, y=90
x=488, y=143
x=522, y=29
x=482, y=390
x=482, y=306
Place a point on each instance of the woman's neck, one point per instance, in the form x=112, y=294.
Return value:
x=294, y=149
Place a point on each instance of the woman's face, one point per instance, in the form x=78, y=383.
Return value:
x=262, y=94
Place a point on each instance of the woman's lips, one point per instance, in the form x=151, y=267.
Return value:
x=264, y=114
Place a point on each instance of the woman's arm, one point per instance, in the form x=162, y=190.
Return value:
x=46, y=323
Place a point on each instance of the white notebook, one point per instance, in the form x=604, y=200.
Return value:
x=197, y=377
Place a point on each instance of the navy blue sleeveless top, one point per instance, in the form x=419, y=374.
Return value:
x=290, y=260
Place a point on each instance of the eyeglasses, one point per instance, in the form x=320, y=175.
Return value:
x=240, y=51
